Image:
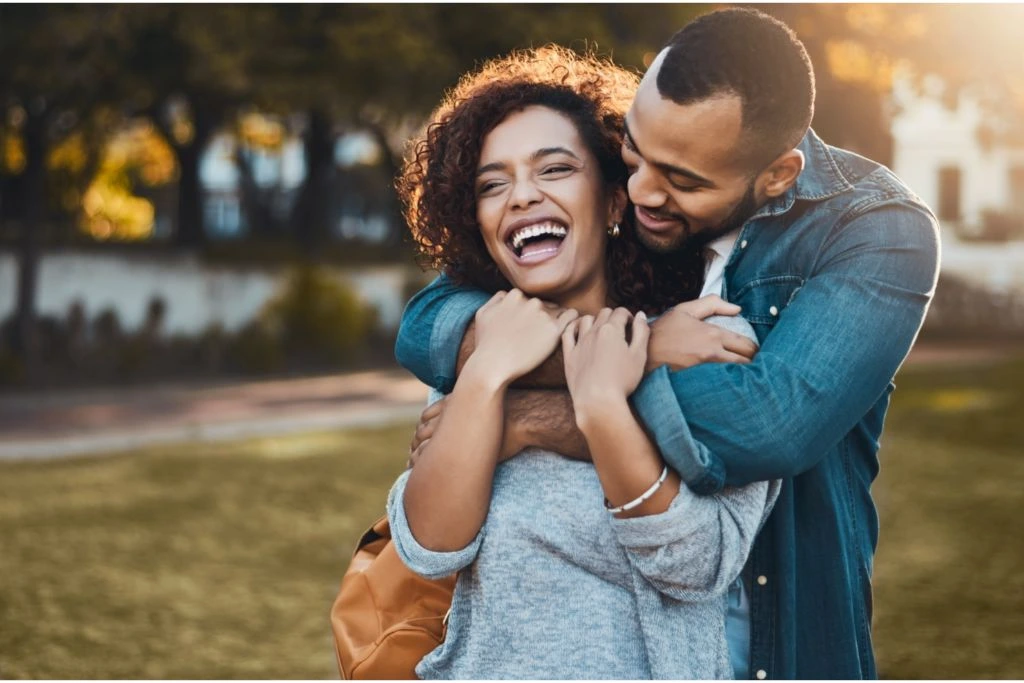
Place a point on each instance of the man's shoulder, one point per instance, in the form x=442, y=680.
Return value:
x=867, y=182
x=842, y=192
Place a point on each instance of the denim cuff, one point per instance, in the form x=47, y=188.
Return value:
x=446, y=336
x=656, y=403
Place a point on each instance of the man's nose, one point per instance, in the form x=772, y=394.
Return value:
x=644, y=190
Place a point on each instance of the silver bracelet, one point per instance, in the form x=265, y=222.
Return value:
x=643, y=496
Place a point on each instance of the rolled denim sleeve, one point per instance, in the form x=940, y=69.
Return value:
x=829, y=358
x=433, y=325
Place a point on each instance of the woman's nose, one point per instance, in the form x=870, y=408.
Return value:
x=524, y=193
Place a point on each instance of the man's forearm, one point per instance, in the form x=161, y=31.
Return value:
x=548, y=375
x=542, y=419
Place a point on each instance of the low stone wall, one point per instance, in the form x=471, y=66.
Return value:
x=197, y=295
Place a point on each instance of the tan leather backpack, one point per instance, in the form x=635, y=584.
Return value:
x=386, y=618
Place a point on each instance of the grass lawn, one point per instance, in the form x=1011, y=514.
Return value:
x=949, y=591
x=211, y=561
x=221, y=561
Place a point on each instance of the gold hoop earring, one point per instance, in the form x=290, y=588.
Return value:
x=614, y=231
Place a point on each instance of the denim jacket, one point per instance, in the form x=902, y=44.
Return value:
x=835, y=276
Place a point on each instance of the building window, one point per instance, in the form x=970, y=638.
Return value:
x=949, y=193
x=1017, y=189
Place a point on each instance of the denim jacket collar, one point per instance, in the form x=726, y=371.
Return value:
x=820, y=179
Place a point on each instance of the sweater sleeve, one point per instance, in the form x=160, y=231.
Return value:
x=427, y=563
x=697, y=548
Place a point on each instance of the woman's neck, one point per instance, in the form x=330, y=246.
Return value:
x=587, y=302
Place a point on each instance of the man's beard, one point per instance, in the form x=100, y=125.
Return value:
x=743, y=210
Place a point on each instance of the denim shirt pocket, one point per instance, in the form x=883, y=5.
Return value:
x=763, y=300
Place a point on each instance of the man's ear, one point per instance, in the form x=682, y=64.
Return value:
x=780, y=175
x=617, y=205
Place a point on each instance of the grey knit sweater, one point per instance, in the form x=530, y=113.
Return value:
x=554, y=587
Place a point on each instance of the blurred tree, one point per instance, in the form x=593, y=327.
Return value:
x=858, y=48
x=381, y=68
x=60, y=68
x=188, y=70
x=73, y=73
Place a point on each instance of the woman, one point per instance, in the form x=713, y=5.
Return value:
x=567, y=569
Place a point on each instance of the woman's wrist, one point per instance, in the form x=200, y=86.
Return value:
x=601, y=411
x=484, y=376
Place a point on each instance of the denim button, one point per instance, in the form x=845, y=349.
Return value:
x=743, y=244
x=774, y=310
x=761, y=674
x=762, y=580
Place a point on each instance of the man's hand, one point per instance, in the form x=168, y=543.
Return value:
x=681, y=340
x=429, y=419
x=511, y=444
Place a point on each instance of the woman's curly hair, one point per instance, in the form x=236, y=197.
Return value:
x=437, y=185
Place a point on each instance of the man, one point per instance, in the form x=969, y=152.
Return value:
x=832, y=260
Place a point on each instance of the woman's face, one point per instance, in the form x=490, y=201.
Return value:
x=543, y=210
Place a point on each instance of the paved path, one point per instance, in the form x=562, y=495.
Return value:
x=41, y=426
x=79, y=423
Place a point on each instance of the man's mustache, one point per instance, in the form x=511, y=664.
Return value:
x=664, y=216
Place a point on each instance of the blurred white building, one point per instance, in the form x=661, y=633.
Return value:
x=948, y=151
x=952, y=157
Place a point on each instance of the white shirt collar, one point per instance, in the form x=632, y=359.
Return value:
x=714, y=272
x=724, y=244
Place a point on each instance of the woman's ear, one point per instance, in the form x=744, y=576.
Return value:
x=617, y=205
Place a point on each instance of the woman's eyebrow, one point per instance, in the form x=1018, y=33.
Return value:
x=547, y=151
x=540, y=153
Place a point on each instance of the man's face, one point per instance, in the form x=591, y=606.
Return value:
x=688, y=178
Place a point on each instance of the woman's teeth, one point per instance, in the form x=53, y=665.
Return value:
x=543, y=229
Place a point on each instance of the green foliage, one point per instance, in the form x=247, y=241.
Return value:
x=318, y=315
x=256, y=350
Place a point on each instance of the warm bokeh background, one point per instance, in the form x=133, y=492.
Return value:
x=202, y=268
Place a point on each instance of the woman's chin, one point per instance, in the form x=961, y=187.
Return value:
x=538, y=286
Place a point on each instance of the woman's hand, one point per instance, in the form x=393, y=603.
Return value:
x=680, y=338
x=514, y=334
x=601, y=367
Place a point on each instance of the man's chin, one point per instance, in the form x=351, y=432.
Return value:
x=663, y=242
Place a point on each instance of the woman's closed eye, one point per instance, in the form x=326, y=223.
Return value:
x=557, y=171
x=489, y=186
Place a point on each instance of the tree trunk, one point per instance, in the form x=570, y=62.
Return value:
x=191, y=229
x=190, y=232
x=392, y=163
x=259, y=219
x=311, y=215
x=24, y=342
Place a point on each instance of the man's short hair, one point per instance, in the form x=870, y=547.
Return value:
x=749, y=54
